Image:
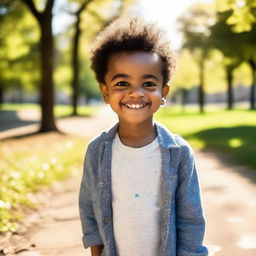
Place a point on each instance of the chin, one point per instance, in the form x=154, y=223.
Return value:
x=135, y=121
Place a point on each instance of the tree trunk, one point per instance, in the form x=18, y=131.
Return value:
x=46, y=50
x=201, y=94
x=75, y=59
x=253, y=85
x=47, y=88
x=75, y=66
x=230, y=97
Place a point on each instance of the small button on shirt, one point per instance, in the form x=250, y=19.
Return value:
x=107, y=220
x=136, y=174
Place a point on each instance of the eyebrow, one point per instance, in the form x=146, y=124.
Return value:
x=122, y=75
x=151, y=76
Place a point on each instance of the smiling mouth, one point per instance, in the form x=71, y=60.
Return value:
x=135, y=105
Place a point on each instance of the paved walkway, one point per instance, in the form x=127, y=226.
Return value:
x=228, y=198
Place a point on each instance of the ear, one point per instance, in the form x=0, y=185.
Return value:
x=165, y=90
x=104, y=92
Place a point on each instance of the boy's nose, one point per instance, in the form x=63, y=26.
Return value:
x=136, y=92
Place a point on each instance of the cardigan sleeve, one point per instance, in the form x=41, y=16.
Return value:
x=91, y=235
x=190, y=222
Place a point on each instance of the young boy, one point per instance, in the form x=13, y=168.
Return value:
x=139, y=193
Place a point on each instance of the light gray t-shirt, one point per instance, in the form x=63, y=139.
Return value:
x=136, y=174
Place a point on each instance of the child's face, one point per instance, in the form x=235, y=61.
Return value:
x=134, y=85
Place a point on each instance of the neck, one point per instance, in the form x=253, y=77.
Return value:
x=136, y=135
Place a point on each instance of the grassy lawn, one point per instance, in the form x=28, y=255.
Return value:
x=26, y=166
x=59, y=110
x=231, y=132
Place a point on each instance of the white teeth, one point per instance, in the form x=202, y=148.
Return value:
x=135, y=106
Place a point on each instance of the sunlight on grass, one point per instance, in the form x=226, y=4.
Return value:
x=66, y=110
x=231, y=132
x=191, y=121
x=235, y=143
x=26, y=166
x=19, y=106
x=59, y=110
x=199, y=144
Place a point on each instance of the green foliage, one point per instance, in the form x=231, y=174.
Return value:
x=231, y=132
x=216, y=50
x=235, y=47
x=89, y=86
x=187, y=72
x=19, y=54
x=26, y=167
x=242, y=75
x=187, y=75
x=194, y=25
x=242, y=15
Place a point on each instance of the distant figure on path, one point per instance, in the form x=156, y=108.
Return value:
x=139, y=193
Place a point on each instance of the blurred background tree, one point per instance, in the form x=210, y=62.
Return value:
x=40, y=60
x=44, y=18
x=207, y=33
x=194, y=25
x=19, y=65
x=236, y=48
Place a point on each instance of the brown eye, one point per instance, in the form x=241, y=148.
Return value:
x=122, y=84
x=149, y=84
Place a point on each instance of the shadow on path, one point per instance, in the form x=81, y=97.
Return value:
x=9, y=119
x=228, y=161
x=236, y=148
x=26, y=123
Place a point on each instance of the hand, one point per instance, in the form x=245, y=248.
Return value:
x=96, y=250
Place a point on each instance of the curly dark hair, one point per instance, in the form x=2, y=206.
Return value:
x=131, y=34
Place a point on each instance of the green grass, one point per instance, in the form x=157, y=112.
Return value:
x=59, y=110
x=26, y=167
x=231, y=132
x=18, y=106
x=66, y=110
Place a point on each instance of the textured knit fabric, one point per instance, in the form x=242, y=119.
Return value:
x=182, y=223
x=135, y=178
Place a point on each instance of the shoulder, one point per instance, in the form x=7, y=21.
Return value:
x=94, y=150
x=97, y=143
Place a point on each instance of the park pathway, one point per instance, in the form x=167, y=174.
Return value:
x=228, y=198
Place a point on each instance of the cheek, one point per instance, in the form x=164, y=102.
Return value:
x=156, y=95
x=115, y=95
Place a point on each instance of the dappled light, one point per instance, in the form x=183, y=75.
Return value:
x=51, y=107
x=34, y=167
x=237, y=141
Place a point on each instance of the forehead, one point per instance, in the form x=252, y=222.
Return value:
x=135, y=64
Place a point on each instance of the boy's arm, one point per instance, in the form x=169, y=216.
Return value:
x=190, y=221
x=96, y=250
x=91, y=235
